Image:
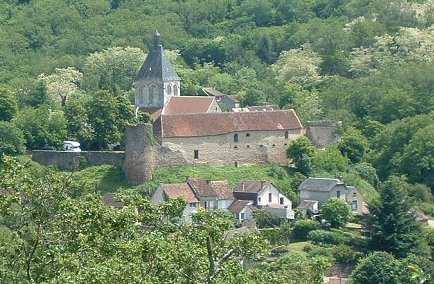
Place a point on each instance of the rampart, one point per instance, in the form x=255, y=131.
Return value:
x=69, y=161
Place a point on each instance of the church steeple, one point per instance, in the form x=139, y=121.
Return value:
x=156, y=80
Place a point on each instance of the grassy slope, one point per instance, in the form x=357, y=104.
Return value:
x=111, y=179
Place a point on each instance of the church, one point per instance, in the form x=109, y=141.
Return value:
x=195, y=130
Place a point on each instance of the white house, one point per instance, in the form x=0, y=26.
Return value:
x=179, y=190
x=265, y=195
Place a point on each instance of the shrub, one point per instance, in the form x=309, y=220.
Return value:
x=337, y=212
x=323, y=237
x=345, y=254
x=265, y=219
x=302, y=228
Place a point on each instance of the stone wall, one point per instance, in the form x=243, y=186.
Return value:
x=322, y=133
x=65, y=160
x=252, y=147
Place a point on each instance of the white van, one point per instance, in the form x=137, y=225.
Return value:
x=71, y=146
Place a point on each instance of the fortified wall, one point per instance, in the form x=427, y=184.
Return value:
x=323, y=133
x=143, y=153
x=66, y=160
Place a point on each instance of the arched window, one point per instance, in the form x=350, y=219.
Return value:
x=175, y=90
x=236, y=138
x=152, y=94
x=169, y=89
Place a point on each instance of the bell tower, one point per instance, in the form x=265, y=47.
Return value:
x=157, y=80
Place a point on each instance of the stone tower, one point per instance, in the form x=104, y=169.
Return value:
x=139, y=163
x=157, y=80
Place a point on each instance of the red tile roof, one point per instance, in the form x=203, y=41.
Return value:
x=179, y=190
x=207, y=188
x=187, y=105
x=205, y=124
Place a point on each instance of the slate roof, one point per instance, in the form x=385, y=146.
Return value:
x=157, y=66
x=206, y=188
x=179, y=190
x=250, y=186
x=238, y=205
x=319, y=184
x=187, y=105
x=216, y=123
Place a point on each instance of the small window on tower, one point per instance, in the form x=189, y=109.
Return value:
x=169, y=89
x=196, y=154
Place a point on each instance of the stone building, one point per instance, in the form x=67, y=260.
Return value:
x=194, y=130
x=157, y=80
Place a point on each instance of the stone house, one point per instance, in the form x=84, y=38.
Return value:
x=264, y=195
x=183, y=191
x=314, y=192
x=212, y=194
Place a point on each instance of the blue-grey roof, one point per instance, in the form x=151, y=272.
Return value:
x=157, y=66
x=319, y=184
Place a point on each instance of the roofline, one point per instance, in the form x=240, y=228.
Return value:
x=223, y=133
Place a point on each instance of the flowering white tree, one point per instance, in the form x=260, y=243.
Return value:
x=299, y=66
x=409, y=45
x=62, y=83
x=116, y=66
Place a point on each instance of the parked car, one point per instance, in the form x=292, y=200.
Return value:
x=71, y=146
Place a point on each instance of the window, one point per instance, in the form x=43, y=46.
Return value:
x=248, y=146
x=236, y=164
x=274, y=145
x=169, y=89
x=259, y=200
x=354, y=205
x=270, y=198
x=242, y=216
x=236, y=138
x=247, y=134
x=338, y=194
x=175, y=90
x=196, y=154
x=235, y=147
x=193, y=205
x=286, y=135
x=282, y=201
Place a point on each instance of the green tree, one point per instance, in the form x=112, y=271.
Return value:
x=353, y=145
x=11, y=139
x=329, y=161
x=393, y=226
x=381, y=268
x=108, y=115
x=42, y=127
x=76, y=114
x=336, y=212
x=301, y=152
x=8, y=104
x=38, y=95
x=418, y=159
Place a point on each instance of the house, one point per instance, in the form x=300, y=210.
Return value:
x=190, y=104
x=264, y=195
x=314, y=192
x=242, y=210
x=212, y=194
x=183, y=191
x=226, y=102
